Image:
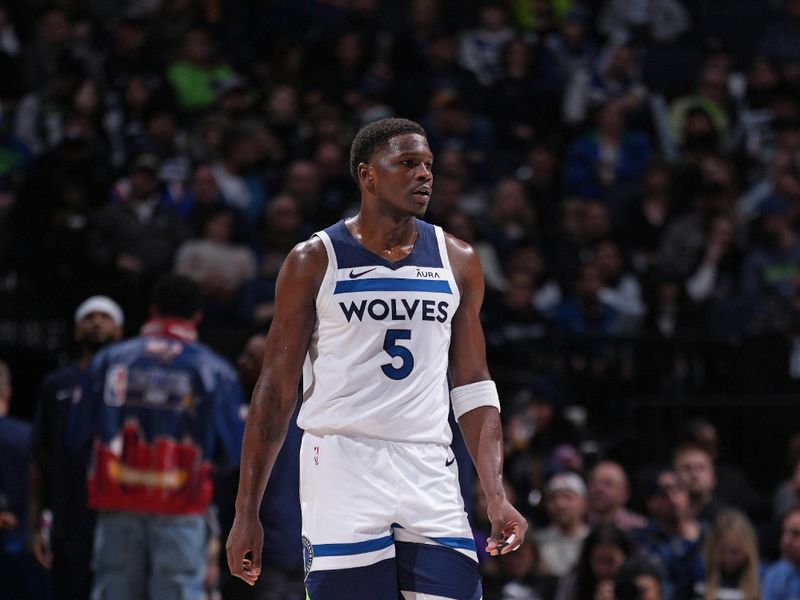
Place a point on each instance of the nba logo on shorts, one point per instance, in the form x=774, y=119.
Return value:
x=308, y=555
x=316, y=455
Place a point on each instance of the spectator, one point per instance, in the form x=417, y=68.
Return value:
x=241, y=188
x=573, y=46
x=302, y=182
x=604, y=551
x=196, y=74
x=535, y=430
x=55, y=467
x=673, y=537
x=786, y=494
x=714, y=280
x=649, y=217
x=523, y=99
x=529, y=259
x=662, y=20
x=341, y=69
x=780, y=41
x=283, y=229
x=584, y=313
x=20, y=576
x=621, y=290
x=451, y=121
x=669, y=311
x=203, y=198
x=512, y=323
x=561, y=542
x=770, y=265
x=638, y=579
x=464, y=228
x=481, y=48
x=695, y=467
x=521, y=577
x=541, y=177
x=609, y=162
x=39, y=118
x=613, y=76
x=217, y=263
x=50, y=47
x=130, y=51
x=733, y=485
x=711, y=186
x=782, y=580
x=134, y=241
x=158, y=409
x=711, y=98
x=609, y=491
x=731, y=567
x=511, y=217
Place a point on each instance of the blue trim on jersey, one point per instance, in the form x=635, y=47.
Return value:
x=350, y=253
x=353, y=548
x=388, y=284
x=453, y=542
x=438, y=571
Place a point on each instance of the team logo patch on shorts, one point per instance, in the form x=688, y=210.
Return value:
x=308, y=555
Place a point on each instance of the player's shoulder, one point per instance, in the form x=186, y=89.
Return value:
x=455, y=244
x=308, y=253
x=304, y=267
x=462, y=255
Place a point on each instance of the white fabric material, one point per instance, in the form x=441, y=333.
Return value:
x=353, y=490
x=473, y=395
x=101, y=304
x=346, y=388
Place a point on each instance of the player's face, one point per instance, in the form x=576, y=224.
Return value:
x=97, y=329
x=790, y=538
x=401, y=175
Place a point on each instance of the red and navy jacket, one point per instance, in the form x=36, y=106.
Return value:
x=159, y=410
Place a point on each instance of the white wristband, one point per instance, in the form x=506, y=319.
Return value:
x=470, y=396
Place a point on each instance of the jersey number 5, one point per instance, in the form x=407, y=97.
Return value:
x=393, y=349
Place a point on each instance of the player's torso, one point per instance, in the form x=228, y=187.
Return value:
x=377, y=363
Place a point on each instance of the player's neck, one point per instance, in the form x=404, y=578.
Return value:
x=387, y=236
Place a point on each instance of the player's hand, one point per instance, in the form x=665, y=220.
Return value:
x=246, y=537
x=508, y=528
x=41, y=550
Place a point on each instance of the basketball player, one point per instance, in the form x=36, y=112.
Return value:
x=376, y=311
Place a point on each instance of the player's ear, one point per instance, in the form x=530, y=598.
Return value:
x=364, y=174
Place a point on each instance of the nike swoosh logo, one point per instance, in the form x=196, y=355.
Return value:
x=447, y=463
x=356, y=275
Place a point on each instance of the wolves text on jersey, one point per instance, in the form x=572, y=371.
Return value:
x=396, y=309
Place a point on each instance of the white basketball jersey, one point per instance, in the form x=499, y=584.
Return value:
x=377, y=363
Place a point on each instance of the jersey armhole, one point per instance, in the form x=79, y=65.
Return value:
x=325, y=293
x=442, y=243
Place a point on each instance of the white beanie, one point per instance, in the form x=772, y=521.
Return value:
x=102, y=304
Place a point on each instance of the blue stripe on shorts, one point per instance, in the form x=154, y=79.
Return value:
x=353, y=547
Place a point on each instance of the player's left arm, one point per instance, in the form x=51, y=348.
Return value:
x=475, y=400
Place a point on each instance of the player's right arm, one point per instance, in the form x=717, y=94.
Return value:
x=274, y=398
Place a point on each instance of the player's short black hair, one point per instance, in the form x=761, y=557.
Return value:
x=177, y=296
x=376, y=135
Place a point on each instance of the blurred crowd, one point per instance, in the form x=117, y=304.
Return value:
x=628, y=171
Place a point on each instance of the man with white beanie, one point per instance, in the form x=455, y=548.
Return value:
x=565, y=502
x=57, y=473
